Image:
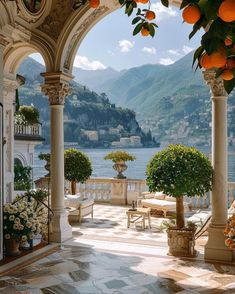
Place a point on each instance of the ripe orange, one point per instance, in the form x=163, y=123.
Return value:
x=228, y=42
x=144, y=1
x=144, y=32
x=218, y=59
x=191, y=14
x=227, y=75
x=228, y=242
x=150, y=15
x=230, y=64
x=94, y=3
x=227, y=10
x=205, y=61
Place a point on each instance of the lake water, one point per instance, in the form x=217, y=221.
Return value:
x=136, y=169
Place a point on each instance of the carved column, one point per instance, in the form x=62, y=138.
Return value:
x=10, y=87
x=1, y=146
x=215, y=247
x=56, y=88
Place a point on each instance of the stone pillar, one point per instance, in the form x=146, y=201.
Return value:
x=119, y=192
x=1, y=147
x=9, y=90
x=215, y=248
x=56, y=88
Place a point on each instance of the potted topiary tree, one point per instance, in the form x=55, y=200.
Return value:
x=180, y=171
x=119, y=158
x=77, y=167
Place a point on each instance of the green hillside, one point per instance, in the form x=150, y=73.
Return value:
x=84, y=111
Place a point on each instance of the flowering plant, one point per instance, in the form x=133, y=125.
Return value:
x=229, y=232
x=117, y=156
x=23, y=219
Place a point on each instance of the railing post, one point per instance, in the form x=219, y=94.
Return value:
x=119, y=192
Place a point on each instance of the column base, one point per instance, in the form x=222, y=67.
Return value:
x=215, y=249
x=60, y=228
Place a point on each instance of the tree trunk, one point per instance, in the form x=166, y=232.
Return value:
x=179, y=212
x=73, y=187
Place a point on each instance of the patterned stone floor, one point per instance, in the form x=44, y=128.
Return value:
x=104, y=258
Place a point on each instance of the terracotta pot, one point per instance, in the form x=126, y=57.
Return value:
x=120, y=167
x=12, y=247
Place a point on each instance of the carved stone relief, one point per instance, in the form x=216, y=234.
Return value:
x=56, y=92
x=216, y=84
x=54, y=22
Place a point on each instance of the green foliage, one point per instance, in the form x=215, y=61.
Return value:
x=77, y=166
x=22, y=178
x=30, y=113
x=38, y=194
x=178, y=171
x=45, y=156
x=117, y=156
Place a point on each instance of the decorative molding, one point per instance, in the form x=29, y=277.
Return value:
x=54, y=22
x=28, y=16
x=56, y=92
x=80, y=31
x=216, y=84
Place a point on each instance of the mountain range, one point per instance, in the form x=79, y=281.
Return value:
x=173, y=101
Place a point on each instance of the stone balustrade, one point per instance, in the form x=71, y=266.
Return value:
x=28, y=130
x=124, y=191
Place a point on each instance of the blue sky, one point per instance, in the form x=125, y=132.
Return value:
x=110, y=42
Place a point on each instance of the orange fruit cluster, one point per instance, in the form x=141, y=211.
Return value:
x=229, y=232
x=219, y=59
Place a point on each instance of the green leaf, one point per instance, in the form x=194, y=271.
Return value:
x=151, y=29
x=229, y=85
x=197, y=54
x=165, y=3
x=137, y=29
x=136, y=19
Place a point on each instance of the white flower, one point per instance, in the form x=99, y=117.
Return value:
x=11, y=217
x=15, y=226
x=17, y=220
x=24, y=238
x=28, y=225
x=34, y=228
x=21, y=227
x=5, y=217
x=7, y=236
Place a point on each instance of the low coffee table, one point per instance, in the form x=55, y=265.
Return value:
x=139, y=213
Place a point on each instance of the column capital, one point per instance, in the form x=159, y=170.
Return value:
x=216, y=84
x=56, y=92
x=56, y=87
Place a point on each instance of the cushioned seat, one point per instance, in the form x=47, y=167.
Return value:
x=83, y=207
x=161, y=202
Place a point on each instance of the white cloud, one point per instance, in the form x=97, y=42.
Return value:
x=174, y=52
x=84, y=63
x=149, y=50
x=166, y=61
x=125, y=45
x=187, y=49
x=163, y=12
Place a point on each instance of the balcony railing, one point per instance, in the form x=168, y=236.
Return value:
x=112, y=190
x=28, y=131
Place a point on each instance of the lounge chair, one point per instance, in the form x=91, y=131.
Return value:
x=160, y=202
x=78, y=207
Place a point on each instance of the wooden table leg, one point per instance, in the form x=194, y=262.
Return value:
x=144, y=222
x=128, y=221
x=149, y=220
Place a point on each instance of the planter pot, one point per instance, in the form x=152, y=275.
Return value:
x=181, y=242
x=12, y=247
x=120, y=167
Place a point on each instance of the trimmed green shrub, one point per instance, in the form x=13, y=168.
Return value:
x=77, y=167
x=180, y=171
